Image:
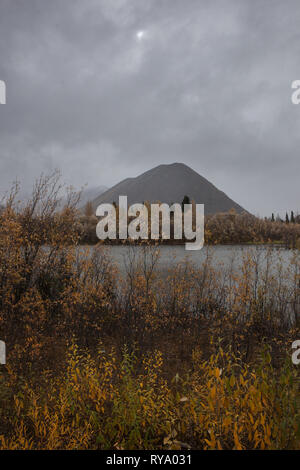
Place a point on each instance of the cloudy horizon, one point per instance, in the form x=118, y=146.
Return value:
x=105, y=90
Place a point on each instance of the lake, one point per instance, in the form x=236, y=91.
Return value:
x=223, y=256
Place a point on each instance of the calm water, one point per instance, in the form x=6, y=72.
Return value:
x=220, y=255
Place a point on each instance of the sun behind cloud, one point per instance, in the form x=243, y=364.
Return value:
x=140, y=35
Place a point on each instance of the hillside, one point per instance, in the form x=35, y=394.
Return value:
x=170, y=183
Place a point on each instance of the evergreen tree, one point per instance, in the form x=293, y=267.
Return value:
x=272, y=218
x=185, y=200
x=292, y=217
x=287, y=220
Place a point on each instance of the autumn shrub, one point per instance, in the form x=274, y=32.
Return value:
x=103, y=402
x=235, y=228
x=145, y=357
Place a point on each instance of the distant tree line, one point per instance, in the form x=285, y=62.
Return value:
x=222, y=228
x=288, y=218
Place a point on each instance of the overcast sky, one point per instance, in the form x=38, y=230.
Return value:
x=106, y=89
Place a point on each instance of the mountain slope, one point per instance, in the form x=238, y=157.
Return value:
x=170, y=183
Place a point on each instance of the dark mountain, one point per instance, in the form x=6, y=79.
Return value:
x=169, y=184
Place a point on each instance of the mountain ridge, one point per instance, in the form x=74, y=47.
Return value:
x=169, y=183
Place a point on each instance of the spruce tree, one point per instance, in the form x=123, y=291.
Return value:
x=292, y=217
x=185, y=200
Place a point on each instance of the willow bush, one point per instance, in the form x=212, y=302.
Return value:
x=190, y=357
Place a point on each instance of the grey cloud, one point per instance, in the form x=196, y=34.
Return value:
x=208, y=85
